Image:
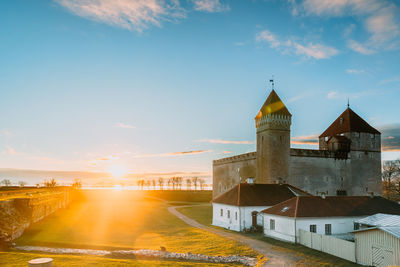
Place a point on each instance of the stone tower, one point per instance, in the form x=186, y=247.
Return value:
x=273, y=141
x=350, y=137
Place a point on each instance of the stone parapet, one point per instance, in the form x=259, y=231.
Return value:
x=273, y=119
x=296, y=152
x=237, y=158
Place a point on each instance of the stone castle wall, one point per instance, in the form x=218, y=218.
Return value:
x=228, y=172
x=315, y=171
x=16, y=214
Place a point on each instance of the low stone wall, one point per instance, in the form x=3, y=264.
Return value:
x=16, y=214
x=146, y=253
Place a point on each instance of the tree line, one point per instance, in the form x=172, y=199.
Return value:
x=391, y=179
x=46, y=183
x=175, y=183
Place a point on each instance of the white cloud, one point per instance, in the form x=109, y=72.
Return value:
x=210, y=6
x=332, y=94
x=305, y=140
x=357, y=47
x=220, y=141
x=132, y=15
x=354, y=71
x=267, y=36
x=317, y=51
x=124, y=125
x=383, y=25
x=380, y=18
x=310, y=50
x=171, y=154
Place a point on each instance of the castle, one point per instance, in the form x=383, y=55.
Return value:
x=348, y=161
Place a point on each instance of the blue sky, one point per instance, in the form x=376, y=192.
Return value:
x=162, y=86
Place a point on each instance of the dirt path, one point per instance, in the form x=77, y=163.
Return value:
x=275, y=256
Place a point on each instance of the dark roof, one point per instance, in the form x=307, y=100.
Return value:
x=332, y=206
x=258, y=194
x=351, y=122
x=273, y=105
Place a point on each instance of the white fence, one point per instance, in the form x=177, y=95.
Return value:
x=329, y=244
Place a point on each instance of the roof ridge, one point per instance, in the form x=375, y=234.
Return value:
x=295, y=209
x=238, y=195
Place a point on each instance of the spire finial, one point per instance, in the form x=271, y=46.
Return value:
x=272, y=82
x=348, y=103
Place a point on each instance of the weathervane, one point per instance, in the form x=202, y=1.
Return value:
x=272, y=82
x=348, y=103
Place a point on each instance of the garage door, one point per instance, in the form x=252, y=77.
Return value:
x=382, y=256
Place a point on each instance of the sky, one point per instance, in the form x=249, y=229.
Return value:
x=170, y=85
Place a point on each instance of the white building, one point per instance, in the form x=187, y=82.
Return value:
x=331, y=215
x=378, y=240
x=238, y=208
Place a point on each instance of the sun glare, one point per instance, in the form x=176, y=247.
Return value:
x=117, y=187
x=117, y=171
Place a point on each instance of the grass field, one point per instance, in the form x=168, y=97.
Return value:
x=203, y=215
x=111, y=219
x=18, y=259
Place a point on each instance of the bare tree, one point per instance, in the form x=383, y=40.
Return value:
x=202, y=183
x=161, y=183
x=50, y=183
x=147, y=183
x=391, y=179
x=153, y=183
x=179, y=181
x=6, y=182
x=77, y=183
x=195, y=180
x=22, y=183
x=189, y=184
x=140, y=183
x=173, y=181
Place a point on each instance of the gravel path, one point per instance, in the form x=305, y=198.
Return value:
x=275, y=256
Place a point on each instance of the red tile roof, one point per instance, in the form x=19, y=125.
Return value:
x=258, y=194
x=349, y=121
x=333, y=206
x=273, y=105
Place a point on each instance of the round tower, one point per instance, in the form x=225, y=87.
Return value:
x=273, y=141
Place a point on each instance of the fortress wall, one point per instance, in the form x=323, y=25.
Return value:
x=228, y=172
x=367, y=172
x=319, y=171
x=16, y=214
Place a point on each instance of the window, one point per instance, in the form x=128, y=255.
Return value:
x=313, y=228
x=222, y=212
x=372, y=136
x=328, y=229
x=341, y=192
x=229, y=214
x=356, y=226
x=272, y=224
x=236, y=215
x=326, y=138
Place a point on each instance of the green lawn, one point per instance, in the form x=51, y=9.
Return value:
x=18, y=259
x=202, y=214
x=125, y=220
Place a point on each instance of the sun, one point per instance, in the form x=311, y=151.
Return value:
x=117, y=171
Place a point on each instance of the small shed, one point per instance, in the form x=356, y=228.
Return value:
x=378, y=240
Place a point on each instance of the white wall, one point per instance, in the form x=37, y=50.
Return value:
x=244, y=218
x=285, y=226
